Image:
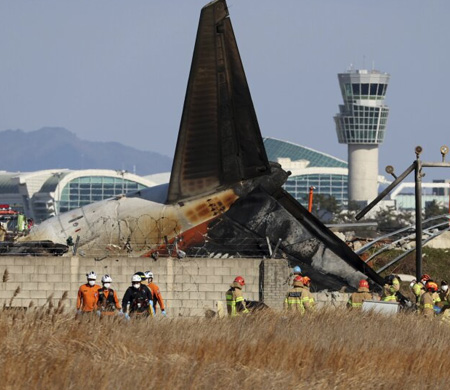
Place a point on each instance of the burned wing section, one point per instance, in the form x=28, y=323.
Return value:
x=219, y=141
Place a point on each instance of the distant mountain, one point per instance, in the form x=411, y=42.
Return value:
x=56, y=147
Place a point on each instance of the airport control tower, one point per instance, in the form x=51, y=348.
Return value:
x=361, y=124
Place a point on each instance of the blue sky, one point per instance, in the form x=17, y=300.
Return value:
x=111, y=70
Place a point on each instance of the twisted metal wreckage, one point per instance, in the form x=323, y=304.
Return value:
x=222, y=191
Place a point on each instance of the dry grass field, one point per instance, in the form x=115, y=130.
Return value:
x=44, y=348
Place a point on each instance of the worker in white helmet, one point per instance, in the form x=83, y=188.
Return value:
x=108, y=302
x=88, y=294
x=138, y=299
x=157, y=297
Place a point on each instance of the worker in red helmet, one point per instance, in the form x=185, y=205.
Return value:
x=235, y=300
x=363, y=294
x=429, y=299
x=293, y=300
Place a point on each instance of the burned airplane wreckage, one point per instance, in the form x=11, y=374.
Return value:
x=222, y=187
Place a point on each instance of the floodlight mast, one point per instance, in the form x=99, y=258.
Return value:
x=416, y=166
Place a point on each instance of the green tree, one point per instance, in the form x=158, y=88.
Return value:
x=325, y=207
x=433, y=209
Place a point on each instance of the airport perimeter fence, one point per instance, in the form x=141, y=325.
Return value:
x=232, y=247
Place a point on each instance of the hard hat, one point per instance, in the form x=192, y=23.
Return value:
x=141, y=275
x=363, y=283
x=240, y=280
x=136, y=278
x=389, y=279
x=91, y=275
x=425, y=277
x=297, y=270
x=148, y=274
x=306, y=280
x=431, y=286
x=298, y=278
x=106, y=279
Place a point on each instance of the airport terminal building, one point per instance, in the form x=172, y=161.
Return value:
x=43, y=194
x=309, y=167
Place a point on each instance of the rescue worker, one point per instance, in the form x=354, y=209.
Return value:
x=88, y=295
x=419, y=287
x=138, y=300
x=235, y=301
x=363, y=294
x=293, y=300
x=157, y=297
x=108, y=302
x=444, y=294
x=445, y=303
x=428, y=299
x=307, y=298
x=390, y=289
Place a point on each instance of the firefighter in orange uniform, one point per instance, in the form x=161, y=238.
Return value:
x=157, y=297
x=108, y=302
x=88, y=295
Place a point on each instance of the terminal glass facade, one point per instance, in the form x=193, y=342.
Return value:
x=85, y=190
x=325, y=184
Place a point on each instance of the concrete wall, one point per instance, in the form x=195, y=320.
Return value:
x=189, y=286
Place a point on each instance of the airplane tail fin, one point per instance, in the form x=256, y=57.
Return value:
x=219, y=142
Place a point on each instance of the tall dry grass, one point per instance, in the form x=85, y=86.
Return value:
x=43, y=348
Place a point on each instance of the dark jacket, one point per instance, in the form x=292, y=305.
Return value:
x=138, y=299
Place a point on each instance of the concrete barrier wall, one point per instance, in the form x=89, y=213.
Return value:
x=189, y=286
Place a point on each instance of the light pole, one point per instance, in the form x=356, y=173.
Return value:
x=416, y=166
